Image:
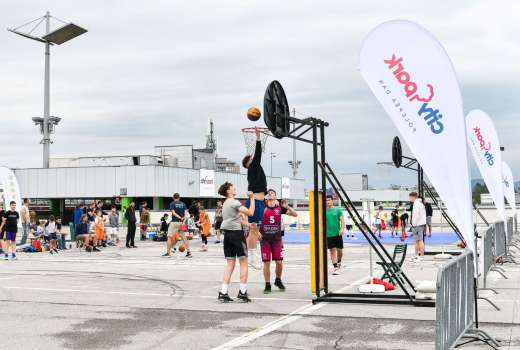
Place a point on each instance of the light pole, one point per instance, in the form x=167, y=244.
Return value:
x=273, y=155
x=59, y=36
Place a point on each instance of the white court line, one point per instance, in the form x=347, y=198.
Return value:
x=66, y=290
x=280, y=322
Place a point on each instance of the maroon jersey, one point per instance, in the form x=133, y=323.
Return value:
x=271, y=227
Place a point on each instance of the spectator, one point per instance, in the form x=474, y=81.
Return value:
x=205, y=227
x=51, y=232
x=26, y=220
x=130, y=217
x=113, y=220
x=395, y=220
x=78, y=213
x=418, y=223
x=218, y=221
x=429, y=214
x=2, y=234
x=164, y=226
x=82, y=234
x=378, y=220
x=100, y=228
x=144, y=221
x=61, y=241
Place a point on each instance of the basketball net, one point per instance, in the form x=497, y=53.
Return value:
x=250, y=138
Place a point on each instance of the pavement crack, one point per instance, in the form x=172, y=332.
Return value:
x=336, y=343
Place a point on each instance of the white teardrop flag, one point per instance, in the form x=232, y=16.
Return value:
x=485, y=147
x=509, y=186
x=411, y=75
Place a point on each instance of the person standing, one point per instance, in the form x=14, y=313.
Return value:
x=142, y=220
x=429, y=214
x=271, y=244
x=10, y=223
x=113, y=221
x=235, y=246
x=335, y=229
x=395, y=220
x=178, y=210
x=378, y=220
x=204, y=224
x=218, y=221
x=26, y=220
x=78, y=213
x=404, y=222
x=418, y=223
x=130, y=217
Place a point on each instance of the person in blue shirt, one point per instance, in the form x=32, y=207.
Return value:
x=78, y=213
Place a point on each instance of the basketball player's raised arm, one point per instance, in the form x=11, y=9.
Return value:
x=257, y=157
x=289, y=211
x=251, y=210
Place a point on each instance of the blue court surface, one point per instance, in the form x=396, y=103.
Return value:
x=436, y=238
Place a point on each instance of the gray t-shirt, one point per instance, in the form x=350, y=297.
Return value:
x=231, y=215
x=113, y=219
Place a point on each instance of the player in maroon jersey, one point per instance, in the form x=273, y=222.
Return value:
x=271, y=238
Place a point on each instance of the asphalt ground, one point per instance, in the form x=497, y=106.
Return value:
x=135, y=299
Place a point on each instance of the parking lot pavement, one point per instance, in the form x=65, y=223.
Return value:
x=134, y=299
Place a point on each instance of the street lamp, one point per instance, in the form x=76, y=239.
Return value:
x=273, y=155
x=59, y=36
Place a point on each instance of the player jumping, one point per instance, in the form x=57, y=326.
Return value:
x=257, y=183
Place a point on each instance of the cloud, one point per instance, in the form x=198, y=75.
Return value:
x=146, y=75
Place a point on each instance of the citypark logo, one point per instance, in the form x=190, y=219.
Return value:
x=483, y=147
x=431, y=116
x=206, y=180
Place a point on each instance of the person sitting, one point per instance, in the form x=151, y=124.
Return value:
x=84, y=239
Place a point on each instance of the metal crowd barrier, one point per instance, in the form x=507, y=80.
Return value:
x=455, y=305
x=500, y=240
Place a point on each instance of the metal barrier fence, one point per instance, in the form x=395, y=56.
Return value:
x=488, y=255
x=454, y=303
x=509, y=231
x=500, y=239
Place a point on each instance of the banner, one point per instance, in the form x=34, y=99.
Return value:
x=10, y=188
x=509, y=186
x=485, y=147
x=207, y=183
x=286, y=187
x=411, y=75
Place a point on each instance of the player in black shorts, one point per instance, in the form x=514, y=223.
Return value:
x=256, y=183
x=234, y=240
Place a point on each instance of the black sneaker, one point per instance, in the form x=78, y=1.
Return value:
x=96, y=250
x=224, y=297
x=243, y=297
x=279, y=284
x=188, y=255
x=267, y=289
x=166, y=254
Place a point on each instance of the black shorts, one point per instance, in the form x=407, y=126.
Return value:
x=217, y=224
x=335, y=242
x=235, y=244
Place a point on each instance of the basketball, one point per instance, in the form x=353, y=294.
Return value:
x=253, y=114
x=182, y=248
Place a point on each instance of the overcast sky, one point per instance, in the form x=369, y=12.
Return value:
x=148, y=75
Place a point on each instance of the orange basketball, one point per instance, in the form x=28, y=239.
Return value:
x=253, y=114
x=182, y=248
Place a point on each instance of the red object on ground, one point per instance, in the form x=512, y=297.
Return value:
x=37, y=245
x=387, y=285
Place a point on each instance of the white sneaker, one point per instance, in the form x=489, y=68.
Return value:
x=335, y=271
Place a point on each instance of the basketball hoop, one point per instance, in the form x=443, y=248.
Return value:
x=250, y=138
